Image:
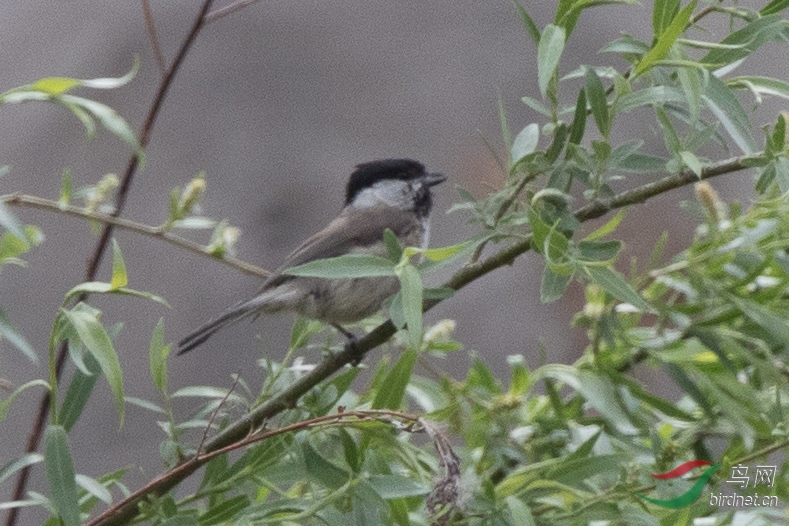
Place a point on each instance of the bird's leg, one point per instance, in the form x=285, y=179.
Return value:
x=350, y=345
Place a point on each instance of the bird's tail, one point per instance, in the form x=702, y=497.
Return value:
x=231, y=317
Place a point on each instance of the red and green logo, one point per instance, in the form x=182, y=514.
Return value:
x=693, y=493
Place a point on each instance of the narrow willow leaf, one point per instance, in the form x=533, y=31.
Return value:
x=722, y=102
x=119, y=276
x=617, y=286
x=598, y=101
x=345, y=267
x=667, y=38
x=157, y=357
x=524, y=143
x=741, y=43
x=528, y=23
x=663, y=12
x=608, y=227
x=652, y=96
x=691, y=161
x=78, y=393
x=11, y=223
x=390, y=395
x=60, y=475
x=761, y=85
x=107, y=116
x=411, y=288
x=224, y=511
x=54, y=85
x=12, y=467
x=322, y=470
x=9, y=333
x=5, y=404
x=579, y=119
x=553, y=285
x=549, y=51
x=775, y=6
x=393, y=249
x=99, y=344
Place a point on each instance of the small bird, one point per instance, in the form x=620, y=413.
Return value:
x=390, y=193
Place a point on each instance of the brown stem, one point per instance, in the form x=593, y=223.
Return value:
x=34, y=437
x=40, y=203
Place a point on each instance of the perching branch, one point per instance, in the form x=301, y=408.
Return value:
x=237, y=432
x=156, y=232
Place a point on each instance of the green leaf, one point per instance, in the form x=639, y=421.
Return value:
x=579, y=119
x=11, y=223
x=119, y=277
x=60, y=475
x=524, y=143
x=397, y=486
x=345, y=267
x=600, y=251
x=670, y=137
x=776, y=325
x=224, y=512
x=663, y=12
x=321, y=470
x=393, y=249
x=65, y=188
x=607, y=228
x=12, y=467
x=616, y=285
x=553, y=285
x=55, y=85
x=598, y=101
x=776, y=6
x=157, y=355
x=692, y=162
x=9, y=333
x=5, y=404
x=78, y=392
x=411, y=288
x=761, y=85
x=390, y=396
x=107, y=116
x=442, y=253
x=94, y=488
x=549, y=51
x=667, y=38
x=600, y=393
x=99, y=344
x=528, y=22
x=651, y=96
x=725, y=106
x=520, y=512
x=741, y=43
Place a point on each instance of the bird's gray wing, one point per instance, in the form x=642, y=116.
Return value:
x=351, y=231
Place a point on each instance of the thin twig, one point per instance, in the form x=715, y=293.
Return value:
x=216, y=14
x=240, y=430
x=201, y=458
x=40, y=203
x=34, y=437
x=149, y=24
x=216, y=412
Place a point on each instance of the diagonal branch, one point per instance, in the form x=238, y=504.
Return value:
x=34, y=437
x=125, y=510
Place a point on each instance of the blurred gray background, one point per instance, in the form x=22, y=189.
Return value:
x=277, y=103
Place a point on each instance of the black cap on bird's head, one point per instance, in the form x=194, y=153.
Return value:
x=367, y=174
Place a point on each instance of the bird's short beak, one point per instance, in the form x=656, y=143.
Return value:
x=434, y=178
